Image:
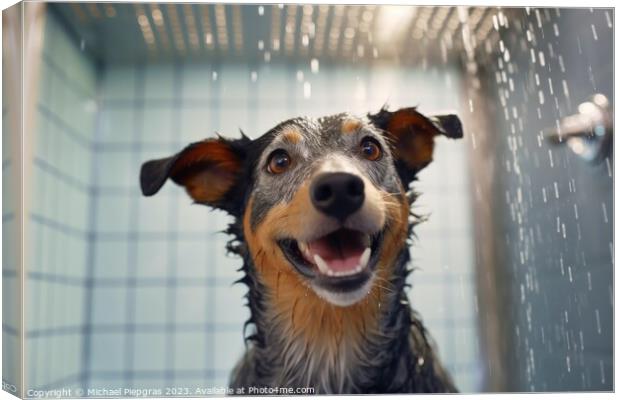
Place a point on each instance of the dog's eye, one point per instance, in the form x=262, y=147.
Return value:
x=279, y=161
x=371, y=149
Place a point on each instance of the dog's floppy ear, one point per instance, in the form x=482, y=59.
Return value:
x=413, y=136
x=208, y=170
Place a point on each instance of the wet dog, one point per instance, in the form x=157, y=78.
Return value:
x=321, y=212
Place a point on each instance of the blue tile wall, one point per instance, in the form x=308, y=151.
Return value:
x=161, y=259
x=58, y=218
x=137, y=292
x=11, y=324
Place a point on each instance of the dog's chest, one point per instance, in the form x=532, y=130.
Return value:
x=329, y=366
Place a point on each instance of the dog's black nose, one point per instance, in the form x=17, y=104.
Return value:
x=337, y=194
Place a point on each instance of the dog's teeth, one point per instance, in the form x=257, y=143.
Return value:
x=322, y=265
x=303, y=247
x=306, y=252
x=364, y=258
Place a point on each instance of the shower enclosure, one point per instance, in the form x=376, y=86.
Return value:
x=105, y=289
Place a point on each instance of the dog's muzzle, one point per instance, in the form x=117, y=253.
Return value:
x=339, y=255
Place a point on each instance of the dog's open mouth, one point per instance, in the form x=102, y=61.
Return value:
x=341, y=260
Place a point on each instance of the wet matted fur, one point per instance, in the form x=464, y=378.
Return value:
x=355, y=333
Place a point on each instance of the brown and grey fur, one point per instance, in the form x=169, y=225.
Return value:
x=294, y=337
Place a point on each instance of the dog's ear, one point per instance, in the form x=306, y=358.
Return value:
x=412, y=136
x=209, y=171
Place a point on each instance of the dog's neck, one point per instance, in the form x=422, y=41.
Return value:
x=297, y=339
x=312, y=343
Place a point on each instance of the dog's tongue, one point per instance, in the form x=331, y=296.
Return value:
x=338, y=260
x=341, y=251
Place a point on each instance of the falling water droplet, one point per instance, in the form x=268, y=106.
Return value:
x=541, y=58
x=307, y=90
x=594, y=32
x=550, y=86
x=608, y=18
x=561, y=62
x=608, y=166
x=565, y=88
x=254, y=76
x=564, y=232
x=538, y=19
x=550, y=158
x=314, y=66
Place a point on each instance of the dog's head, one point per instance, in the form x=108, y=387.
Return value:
x=322, y=201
